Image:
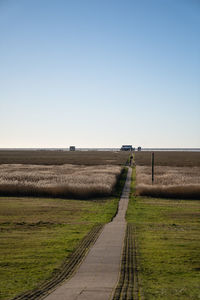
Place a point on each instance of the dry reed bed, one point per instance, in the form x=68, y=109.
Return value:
x=55, y=157
x=58, y=181
x=168, y=158
x=170, y=182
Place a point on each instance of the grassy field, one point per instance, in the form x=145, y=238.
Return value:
x=168, y=158
x=71, y=181
x=47, y=157
x=38, y=234
x=168, y=243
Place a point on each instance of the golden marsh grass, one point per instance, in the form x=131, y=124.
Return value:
x=58, y=180
x=172, y=182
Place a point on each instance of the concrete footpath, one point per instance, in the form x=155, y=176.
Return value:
x=98, y=274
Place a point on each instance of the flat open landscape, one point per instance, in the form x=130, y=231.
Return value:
x=74, y=181
x=171, y=182
x=168, y=158
x=167, y=230
x=50, y=157
x=38, y=234
x=78, y=174
x=88, y=90
x=176, y=174
x=167, y=245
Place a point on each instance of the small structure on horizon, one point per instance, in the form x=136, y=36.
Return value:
x=72, y=148
x=126, y=148
x=139, y=148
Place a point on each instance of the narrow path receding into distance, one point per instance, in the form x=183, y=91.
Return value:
x=97, y=276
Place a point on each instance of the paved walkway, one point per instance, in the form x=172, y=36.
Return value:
x=98, y=274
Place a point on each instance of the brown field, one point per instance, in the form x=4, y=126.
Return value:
x=47, y=157
x=67, y=180
x=168, y=158
x=177, y=174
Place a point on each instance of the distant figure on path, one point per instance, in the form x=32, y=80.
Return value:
x=131, y=159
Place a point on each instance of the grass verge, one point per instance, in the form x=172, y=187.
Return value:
x=168, y=243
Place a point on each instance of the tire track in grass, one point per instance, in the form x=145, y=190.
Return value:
x=127, y=287
x=66, y=270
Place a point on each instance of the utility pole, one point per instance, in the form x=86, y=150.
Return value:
x=152, y=167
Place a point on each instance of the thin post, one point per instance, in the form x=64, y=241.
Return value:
x=152, y=165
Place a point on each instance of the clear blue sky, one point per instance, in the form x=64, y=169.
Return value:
x=99, y=73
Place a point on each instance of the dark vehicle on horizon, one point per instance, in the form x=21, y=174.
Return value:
x=127, y=148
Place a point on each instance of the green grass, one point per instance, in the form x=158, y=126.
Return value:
x=37, y=234
x=168, y=243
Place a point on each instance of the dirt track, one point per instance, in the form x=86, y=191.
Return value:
x=97, y=276
x=127, y=287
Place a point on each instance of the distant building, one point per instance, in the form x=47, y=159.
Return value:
x=72, y=148
x=139, y=148
x=126, y=148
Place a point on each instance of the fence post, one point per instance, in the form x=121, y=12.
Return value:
x=152, y=167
